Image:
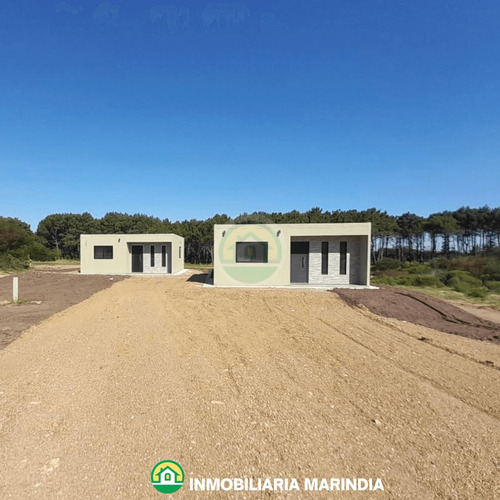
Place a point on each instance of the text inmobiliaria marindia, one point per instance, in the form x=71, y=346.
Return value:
x=285, y=484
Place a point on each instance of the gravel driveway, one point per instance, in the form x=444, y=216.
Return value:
x=243, y=383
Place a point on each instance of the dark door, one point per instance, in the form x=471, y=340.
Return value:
x=137, y=252
x=299, y=262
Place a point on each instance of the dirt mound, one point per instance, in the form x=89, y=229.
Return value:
x=420, y=309
x=232, y=383
x=43, y=294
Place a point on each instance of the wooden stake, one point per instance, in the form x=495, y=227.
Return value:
x=15, y=289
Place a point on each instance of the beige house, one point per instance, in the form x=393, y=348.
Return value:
x=292, y=254
x=131, y=254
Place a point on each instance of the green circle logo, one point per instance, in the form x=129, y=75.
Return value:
x=261, y=255
x=167, y=476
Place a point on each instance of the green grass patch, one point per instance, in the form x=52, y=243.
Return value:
x=407, y=280
x=446, y=293
x=57, y=262
x=199, y=267
x=472, y=277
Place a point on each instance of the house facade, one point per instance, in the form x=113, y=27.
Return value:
x=131, y=254
x=292, y=254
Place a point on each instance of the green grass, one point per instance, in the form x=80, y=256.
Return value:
x=58, y=262
x=36, y=263
x=19, y=301
x=22, y=301
x=446, y=293
x=199, y=267
x=445, y=278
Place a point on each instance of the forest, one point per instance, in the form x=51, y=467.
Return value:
x=406, y=238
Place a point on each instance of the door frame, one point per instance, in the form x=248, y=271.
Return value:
x=304, y=255
x=141, y=259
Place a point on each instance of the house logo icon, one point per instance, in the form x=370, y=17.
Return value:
x=259, y=258
x=167, y=476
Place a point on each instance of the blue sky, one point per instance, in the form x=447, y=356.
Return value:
x=184, y=109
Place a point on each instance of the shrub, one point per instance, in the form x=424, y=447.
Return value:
x=491, y=271
x=408, y=280
x=386, y=264
x=427, y=280
x=37, y=251
x=439, y=263
x=384, y=280
x=464, y=282
x=10, y=262
x=457, y=278
x=493, y=286
x=417, y=268
x=477, y=292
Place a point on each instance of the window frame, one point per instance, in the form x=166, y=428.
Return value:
x=324, y=257
x=151, y=256
x=102, y=252
x=343, y=258
x=265, y=246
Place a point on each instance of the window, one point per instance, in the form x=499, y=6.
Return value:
x=324, y=257
x=103, y=252
x=163, y=256
x=152, y=255
x=180, y=252
x=343, y=257
x=252, y=251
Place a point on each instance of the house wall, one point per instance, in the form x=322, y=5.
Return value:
x=353, y=267
x=121, y=263
x=177, y=254
x=276, y=272
x=146, y=252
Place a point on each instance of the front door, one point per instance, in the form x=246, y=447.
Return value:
x=299, y=262
x=137, y=266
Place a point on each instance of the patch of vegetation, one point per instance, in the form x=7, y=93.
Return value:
x=386, y=263
x=464, y=282
x=199, y=267
x=408, y=280
x=474, y=277
x=18, y=245
x=491, y=299
x=57, y=262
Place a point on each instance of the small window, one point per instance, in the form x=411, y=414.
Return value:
x=252, y=251
x=180, y=252
x=324, y=257
x=152, y=255
x=343, y=257
x=163, y=256
x=103, y=252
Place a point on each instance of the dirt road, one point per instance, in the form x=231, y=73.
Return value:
x=43, y=293
x=243, y=383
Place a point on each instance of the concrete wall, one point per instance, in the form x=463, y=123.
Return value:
x=121, y=263
x=353, y=267
x=276, y=272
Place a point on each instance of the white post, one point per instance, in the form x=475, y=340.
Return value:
x=15, y=289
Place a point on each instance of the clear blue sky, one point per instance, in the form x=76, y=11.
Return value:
x=184, y=109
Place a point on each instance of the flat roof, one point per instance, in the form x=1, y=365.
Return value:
x=136, y=238
x=312, y=229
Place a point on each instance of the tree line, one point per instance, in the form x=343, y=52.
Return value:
x=406, y=237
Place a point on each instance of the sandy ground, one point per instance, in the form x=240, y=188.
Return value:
x=44, y=292
x=486, y=312
x=416, y=307
x=244, y=383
